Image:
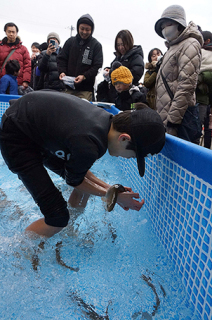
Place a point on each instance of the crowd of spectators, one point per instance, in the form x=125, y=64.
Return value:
x=176, y=84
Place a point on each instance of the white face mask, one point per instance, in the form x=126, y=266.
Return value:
x=171, y=32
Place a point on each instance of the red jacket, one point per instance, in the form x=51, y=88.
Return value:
x=21, y=54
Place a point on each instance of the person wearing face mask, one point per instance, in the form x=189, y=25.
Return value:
x=47, y=64
x=81, y=58
x=180, y=67
x=35, y=47
x=152, y=67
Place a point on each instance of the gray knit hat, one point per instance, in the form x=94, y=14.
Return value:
x=53, y=35
x=175, y=13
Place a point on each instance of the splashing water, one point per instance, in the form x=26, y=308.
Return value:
x=102, y=266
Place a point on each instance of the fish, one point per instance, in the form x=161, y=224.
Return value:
x=111, y=196
x=59, y=259
x=150, y=284
x=87, y=309
x=35, y=259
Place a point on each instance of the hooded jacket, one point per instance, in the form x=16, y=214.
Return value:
x=81, y=57
x=133, y=60
x=21, y=54
x=180, y=67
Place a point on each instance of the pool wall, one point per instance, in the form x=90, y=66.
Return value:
x=177, y=188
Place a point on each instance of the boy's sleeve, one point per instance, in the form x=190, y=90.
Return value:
x=4, y=83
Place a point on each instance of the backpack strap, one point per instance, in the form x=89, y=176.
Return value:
x=6, y=59
x=167, y=86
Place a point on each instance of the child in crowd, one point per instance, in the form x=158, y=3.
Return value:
x=8, y=83
x=127, y=93
x=150, y=76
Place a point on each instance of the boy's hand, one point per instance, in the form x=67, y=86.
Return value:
x=126, y=200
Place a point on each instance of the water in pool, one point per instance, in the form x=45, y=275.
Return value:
x=102, y=266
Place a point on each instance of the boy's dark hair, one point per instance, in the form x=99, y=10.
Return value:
x=151, y=52
x=207, y=35
x=10, y=24
x=127, y=38
x=36, y=45
x=123, y=120
x=12, y=66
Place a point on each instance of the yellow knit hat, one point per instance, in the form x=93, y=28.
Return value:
x=121, y=74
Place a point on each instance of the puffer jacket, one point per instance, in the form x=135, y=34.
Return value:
x=133, y=60
x=47, y=64
x=180, y=67
x=21, y=54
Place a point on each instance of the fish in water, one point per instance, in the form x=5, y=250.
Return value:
x=59, y=259
x=35, y=260
x=87, y=309
x=150, y=284
x=111, y=196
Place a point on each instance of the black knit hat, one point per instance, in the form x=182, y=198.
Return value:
x=86, y=19
x=43, y=46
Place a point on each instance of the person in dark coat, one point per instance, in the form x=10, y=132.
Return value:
x=128, y=94
x=35, y=47
x=130, y=56
x=81, y=58
x=47, y=64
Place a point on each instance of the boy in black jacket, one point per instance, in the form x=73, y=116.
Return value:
x=128, y=94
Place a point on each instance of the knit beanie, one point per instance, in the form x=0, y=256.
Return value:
x=121, y=74
x=175, y=13
x=85, y=19
x=53, y=35
x=43, y=46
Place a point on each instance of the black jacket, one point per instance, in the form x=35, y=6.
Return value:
x=125, y=99
x=68, y=127
x=47, y=64
x=81, y=58
x=133, y=60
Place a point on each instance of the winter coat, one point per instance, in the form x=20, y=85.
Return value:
x=21, y=54
x=126, y=99
x=149, y=82
x=9, y=84
x=34, y=77
x=204, y=86
x=81, y=57
x=47, y=64
x=180, y=67
x=133, y=60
